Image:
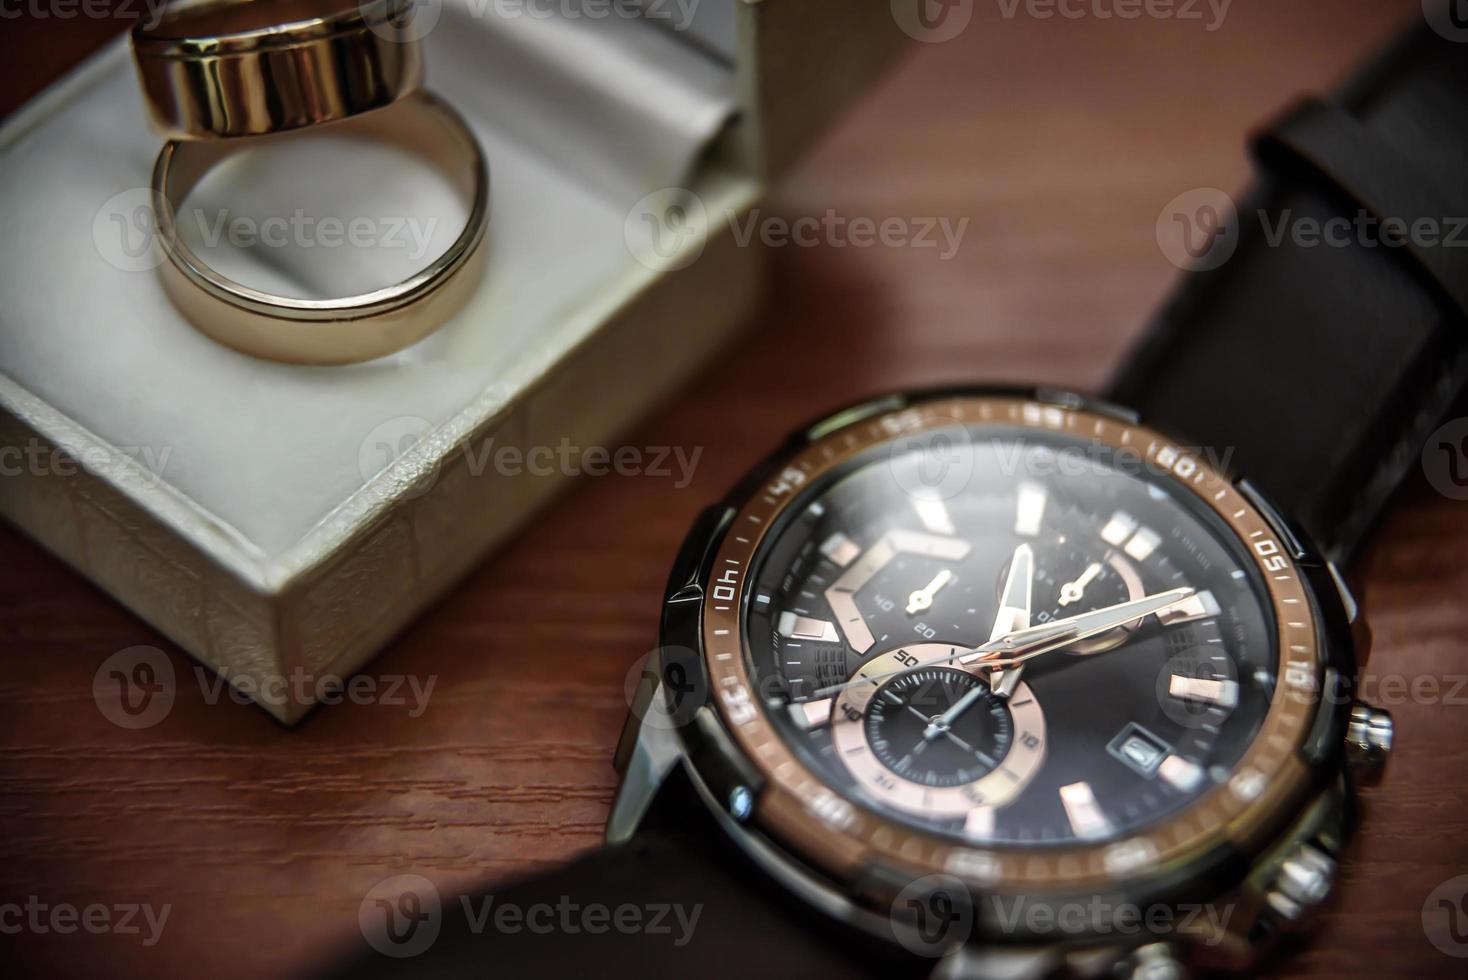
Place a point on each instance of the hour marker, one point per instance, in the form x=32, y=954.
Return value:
x=1183, y=774
x=1247, y=784
x=762, y=600
x=934, y=514
x=1086, y=818
x=1119, y=528
x=816, y=509
x=806, y=628
x=1030, y=509
x=812, y=714
x=840, y=549
x=1142, y=544
x=1224, y=693
x=979, y=823
x=1199, y=605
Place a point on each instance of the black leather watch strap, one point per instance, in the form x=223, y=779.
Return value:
x=692, y=905
x=1325, y=364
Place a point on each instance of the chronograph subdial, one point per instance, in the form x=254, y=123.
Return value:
x=901, y=585
x=929, y=738
x=938, y=726
x=1070, y=580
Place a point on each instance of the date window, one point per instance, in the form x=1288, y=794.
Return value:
x=1139, y=749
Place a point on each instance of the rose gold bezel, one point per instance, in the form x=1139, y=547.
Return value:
x=841, y=837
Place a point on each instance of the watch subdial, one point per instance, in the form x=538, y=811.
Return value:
x=921, y=734
x=1070, y=581
x=892, y=590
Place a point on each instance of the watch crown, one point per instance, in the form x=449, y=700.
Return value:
x=1368, y=741
x=1303, y=881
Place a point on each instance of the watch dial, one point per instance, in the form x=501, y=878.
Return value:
x=871, y=593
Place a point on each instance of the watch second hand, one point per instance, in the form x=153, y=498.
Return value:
x=1022, y=645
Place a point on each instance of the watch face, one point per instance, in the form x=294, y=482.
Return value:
x=1019, y=639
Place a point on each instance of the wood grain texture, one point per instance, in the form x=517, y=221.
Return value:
x=1059, y=141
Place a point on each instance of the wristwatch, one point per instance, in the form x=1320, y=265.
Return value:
x=1001, y=682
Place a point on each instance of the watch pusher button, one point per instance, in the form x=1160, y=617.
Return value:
x=1155, y=961
x=1368, y=741
x=1303, y=881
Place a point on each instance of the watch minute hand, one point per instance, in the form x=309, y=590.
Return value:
x=1022, y=645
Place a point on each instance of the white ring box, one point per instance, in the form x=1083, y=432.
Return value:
x=279, y=520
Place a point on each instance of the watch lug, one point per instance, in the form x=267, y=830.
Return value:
x=653, y=751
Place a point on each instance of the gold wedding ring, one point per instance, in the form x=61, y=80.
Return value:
x=347, y=329
x=218, y=75
x=219, y=69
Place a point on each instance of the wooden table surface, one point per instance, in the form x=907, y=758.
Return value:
x=1060, y=141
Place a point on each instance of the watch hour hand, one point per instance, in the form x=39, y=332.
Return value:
x=1014, y=613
